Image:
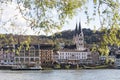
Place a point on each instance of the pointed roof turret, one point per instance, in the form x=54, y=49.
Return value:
x=80, y=27
x=76, y=29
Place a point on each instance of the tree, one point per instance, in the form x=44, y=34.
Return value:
x=46, y=15
x=109, y=17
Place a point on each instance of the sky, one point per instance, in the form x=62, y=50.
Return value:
x=18, y=25
x=81, y=17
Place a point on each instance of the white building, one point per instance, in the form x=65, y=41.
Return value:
x=75, y=57
x=78, y=54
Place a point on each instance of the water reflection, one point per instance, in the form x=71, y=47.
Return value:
x=101, y=74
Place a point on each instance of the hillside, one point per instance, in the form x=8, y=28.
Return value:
x=65, y=36
x=89, y=35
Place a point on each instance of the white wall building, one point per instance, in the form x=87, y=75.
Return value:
x=75, y=57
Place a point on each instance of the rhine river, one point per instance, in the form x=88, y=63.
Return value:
x=100, y=74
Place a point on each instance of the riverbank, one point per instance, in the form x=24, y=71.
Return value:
x=66, y=67
x=80, y=67
x=5, y=67
x=99, y=67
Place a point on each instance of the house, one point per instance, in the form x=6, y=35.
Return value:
x=46, y=54
x=27, y=56
x=74, y=57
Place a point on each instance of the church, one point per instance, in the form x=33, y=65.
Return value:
x=77, y=53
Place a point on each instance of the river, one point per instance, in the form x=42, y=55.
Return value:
x=100, y=74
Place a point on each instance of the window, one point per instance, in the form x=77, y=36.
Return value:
x=37, y=53
x=22, y=51
x=80, y=43
x=32, y=51
x=80, y=35
x=80, y=39
x=26, y=53
x=36, y=59
x=22, y=59
x=32, y=59
x=5, y=60
x=26, y=59
x=17, y=59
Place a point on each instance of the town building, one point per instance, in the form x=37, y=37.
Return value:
x=55, y=56
x=46, y=54
x=75, y=57
x=95, y=58
x=117, y=59
x=27, y=56
x=7, y=55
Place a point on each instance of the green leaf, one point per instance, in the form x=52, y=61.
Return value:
x=95, y=1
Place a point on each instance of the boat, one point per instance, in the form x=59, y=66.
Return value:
x=23, y=67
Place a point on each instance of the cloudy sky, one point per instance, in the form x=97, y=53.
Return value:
x=18, y=24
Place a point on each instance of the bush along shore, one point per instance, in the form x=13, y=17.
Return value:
x=67, y=66
x=75, y=66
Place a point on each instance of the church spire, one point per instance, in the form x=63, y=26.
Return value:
x=76, y=31
x=79, y=27
x=79, y=38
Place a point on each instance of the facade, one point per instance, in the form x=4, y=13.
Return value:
x=55, y=56
x=7, y=55
x=77, y=54
x=46, y=54
x=23, y=56
x=28, y=57
x=95, y=58
x=117, y=59
x=74, y=57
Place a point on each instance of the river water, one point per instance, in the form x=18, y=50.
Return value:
x=100, y=74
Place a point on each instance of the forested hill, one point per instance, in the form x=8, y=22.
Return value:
x=90, y=36
x=63, y=37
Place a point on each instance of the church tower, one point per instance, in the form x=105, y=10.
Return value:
x=79, y=38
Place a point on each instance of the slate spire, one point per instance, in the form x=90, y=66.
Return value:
x=76, y=31
x=79, y=27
